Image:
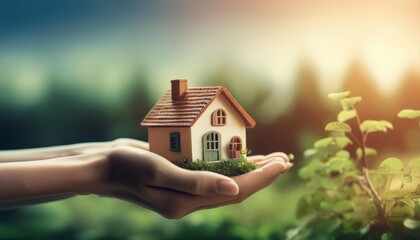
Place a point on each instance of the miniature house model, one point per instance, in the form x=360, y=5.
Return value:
x=200, y=123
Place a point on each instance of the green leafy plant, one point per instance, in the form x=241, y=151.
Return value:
x=348, y=199
x=410, y=114
x=227, y=167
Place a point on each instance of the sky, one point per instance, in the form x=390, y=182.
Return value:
x=187, y=38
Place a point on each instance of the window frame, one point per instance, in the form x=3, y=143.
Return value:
x=175, y=141
x=219, y=117
x=235, y=147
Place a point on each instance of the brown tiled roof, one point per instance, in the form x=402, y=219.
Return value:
x=186, y=111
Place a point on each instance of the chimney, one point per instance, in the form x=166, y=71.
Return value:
x=179, y=87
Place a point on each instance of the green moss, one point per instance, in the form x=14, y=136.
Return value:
x=227, y=167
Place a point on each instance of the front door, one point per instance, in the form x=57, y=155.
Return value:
x=211, y=146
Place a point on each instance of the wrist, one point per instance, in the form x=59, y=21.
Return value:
x=94, y=171
x=55, y=177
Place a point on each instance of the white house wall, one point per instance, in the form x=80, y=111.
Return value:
x=235, y=126
x=160, y=137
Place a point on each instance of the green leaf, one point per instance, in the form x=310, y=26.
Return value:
x=417, y=209
x=340, y=164
x=391, y=165
x=411, y=223
x=409, y=113
x=309, y=170
x=368, y=151
x=363, y=206
x=346, y=115
x=329, y=184
x=343, y=154
x=310, y=152
x=407, y=179
x=363, y=230
x=395, y=193
x=414, y=163
x=320, y=227
x=324, y=142
x=348, y=103
x=378, y=179
x=389, y=236
x=342, y=142
x=306, y=173
x=320, y=201
x=370, y=126
x=337, y=127
x=401, y=208
x=342, y=206
x=303, y=208
x=409, y=202
x=325, y=206
x=387, y=124
x=338, y=96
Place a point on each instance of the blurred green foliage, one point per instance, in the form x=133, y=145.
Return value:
x=92, y=217
x=345, y=199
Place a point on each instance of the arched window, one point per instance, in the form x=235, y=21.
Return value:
x=219, y=118
x=235, y=147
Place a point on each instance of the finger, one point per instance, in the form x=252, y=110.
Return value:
x=175, y=204
x=271, y=159
x=257, y=179
x=196, y=182
x=258, y=158
x=279, y=154
x=210, y=184
x=267, y=161
x=249, y=184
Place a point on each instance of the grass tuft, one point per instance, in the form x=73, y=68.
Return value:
x=227, y=167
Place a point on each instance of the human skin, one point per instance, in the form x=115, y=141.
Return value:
x=126, y=170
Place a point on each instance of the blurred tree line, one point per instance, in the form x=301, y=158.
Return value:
x=67, y=114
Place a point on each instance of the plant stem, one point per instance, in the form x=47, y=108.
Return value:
x=380, y=210
x=381, y=217
x=355, y=139
x=361, y=183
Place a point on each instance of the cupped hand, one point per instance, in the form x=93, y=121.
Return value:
x=151, y=181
